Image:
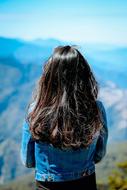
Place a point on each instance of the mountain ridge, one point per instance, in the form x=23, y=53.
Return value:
x=19, y=76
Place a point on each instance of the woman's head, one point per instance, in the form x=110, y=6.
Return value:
x=66, y=113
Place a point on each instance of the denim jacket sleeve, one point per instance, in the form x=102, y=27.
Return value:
x=101, y=145
x=27, y=147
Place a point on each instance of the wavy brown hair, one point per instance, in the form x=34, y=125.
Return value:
x=65, y=111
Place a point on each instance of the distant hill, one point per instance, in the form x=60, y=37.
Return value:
x=9, y=46
x=21, y=64
x=49, y=42
x=28, y=51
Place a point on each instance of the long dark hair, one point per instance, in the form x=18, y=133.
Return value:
x=65, y=111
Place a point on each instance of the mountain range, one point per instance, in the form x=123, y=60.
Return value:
x=21, y=64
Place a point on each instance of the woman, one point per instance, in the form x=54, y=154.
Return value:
x=65, y=132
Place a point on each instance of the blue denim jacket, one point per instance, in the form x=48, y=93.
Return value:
x=53, y=164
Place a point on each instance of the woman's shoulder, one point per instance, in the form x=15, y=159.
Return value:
x=103, y=111
x=100, y=104
x=99, y=101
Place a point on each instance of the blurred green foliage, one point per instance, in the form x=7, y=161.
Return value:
x=118, y=179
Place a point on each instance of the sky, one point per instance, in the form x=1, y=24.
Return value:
x=91, y=21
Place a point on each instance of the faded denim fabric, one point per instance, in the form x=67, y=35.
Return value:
x=53, y=164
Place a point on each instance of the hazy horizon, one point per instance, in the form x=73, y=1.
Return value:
x=103, y=45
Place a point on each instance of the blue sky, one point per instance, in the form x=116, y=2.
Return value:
x=75, y=20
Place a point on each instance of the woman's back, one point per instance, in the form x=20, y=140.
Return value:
x=63, y=165
x=67, y=130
